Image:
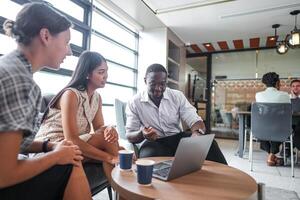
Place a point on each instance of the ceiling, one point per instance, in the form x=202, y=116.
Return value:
x=225, y=24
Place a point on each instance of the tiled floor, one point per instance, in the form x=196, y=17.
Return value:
x=278, y=177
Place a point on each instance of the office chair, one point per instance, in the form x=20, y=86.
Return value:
x=271, y=122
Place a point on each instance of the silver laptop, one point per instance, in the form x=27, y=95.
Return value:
x=189, y=157
x=295, y=105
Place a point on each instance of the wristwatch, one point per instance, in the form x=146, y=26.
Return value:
x=45, y=146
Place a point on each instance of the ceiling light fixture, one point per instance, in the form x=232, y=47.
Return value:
x=294, y=38
x=291, y=40
x=282, y=46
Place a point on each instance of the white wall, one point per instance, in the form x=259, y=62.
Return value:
x=242, y=65
x=287, y=65
x=152, y=49
x=154, y=35
x=237, y=65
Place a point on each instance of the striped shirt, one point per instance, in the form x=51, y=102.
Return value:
x=20, y=97
x=166, y=119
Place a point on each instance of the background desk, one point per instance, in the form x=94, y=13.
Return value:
x=214, y=181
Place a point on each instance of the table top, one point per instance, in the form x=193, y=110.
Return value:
x=213, y=181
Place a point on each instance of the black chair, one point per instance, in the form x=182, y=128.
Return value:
x=94, y=171
x=271, y=122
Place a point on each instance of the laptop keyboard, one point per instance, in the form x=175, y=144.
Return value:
x=162, y=169
x=162, y=172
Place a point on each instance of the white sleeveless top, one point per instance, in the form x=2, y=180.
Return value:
x=52, y=129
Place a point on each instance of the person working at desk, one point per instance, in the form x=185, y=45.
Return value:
x=154, y=115
x=272, y=95
x=295, y=89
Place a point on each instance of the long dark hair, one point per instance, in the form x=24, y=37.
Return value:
x=31, y=19
x=88, y=61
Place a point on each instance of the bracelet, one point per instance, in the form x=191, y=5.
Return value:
x=45, y=145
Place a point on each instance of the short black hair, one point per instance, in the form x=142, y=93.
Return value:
x=294, y=81
x=156, y=68
x=270, y=79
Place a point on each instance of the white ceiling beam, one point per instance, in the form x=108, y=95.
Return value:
x=191, y=6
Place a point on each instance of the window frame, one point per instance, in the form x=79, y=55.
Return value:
x=85, y=27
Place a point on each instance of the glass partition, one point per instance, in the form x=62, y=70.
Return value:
x=236, y=78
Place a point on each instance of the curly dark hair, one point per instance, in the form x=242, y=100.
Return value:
x=270, y=79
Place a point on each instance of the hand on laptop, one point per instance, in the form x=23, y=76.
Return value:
x=150, y=133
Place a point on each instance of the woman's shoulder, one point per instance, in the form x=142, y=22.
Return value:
x=97, y=98
x=71, y=94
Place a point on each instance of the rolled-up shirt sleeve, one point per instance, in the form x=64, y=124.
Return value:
x=133, y=122
x=187, y=112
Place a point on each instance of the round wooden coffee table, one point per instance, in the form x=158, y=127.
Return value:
x=213, y=181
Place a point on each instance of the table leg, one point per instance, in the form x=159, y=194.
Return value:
x=241, y=135
x=115, y=195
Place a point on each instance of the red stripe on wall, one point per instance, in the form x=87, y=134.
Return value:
x=238, y=44
x=223, y=45
x=209, y=47
x=196, y=48
x=254, y=42
x=271, y=41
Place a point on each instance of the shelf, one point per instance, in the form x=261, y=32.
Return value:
x=172, y=81
x=173, y=61
x=174, y=52
x=173, y=71
x=173, y=65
